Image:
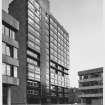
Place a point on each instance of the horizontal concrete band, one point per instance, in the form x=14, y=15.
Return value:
x=90, y=87
x=10, y=80
x=91, y=71
x=91, y=95
x=91, y=79
x=9, y=20
x=10, y=41
x=9, y=60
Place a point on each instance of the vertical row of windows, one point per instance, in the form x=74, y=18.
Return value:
x=8, y=32
x=34, y=24
x=59, y=44
x=9, y=50
x=33, y=56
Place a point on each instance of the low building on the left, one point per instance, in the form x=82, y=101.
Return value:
x=10, y=48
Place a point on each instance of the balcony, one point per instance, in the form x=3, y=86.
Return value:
x=10, y=80
x=10, y=41
x=9, y=60
x=91, y=79
x=10, y=20
x=90, y=87
x=91, y=95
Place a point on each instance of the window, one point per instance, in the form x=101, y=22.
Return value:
x=3, y=29
x=52, y=70
x=52, y=64
x=30, y=6
x=37, y=70
x=30, y=66
x=15, y=53
x=37, y=41
x=47, y=76
x=7, y=31
x=36, y=84
x=37, y=34
x=9, y=51
x=8, y=70
x=31, y=36
x=31, y=29
x=60, y=68
x=30, y=91
x=36, y=92
x=37, y=47
x=31, y=43
x=31, y=14
x=32, y=54
x=30, y=75
x=3, y=68
x=3, y=48
x=52, y=81
x=37, y=13
x=37, y=20
x=52, y=74
x=15, y=71
x=30, y=21
x=37, y=77
x=12, y=34
x=37, y=5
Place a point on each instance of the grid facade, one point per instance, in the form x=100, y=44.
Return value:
x=59, y=61
x=33, y=51
x=46, y=54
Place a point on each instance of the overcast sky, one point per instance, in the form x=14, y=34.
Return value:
x=83, y=20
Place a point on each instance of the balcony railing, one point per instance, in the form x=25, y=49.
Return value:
x=90, y=87
x=10, y=80
x=91, y=79
x=91, y=95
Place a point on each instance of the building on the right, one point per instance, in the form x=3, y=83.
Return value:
x=91, y=86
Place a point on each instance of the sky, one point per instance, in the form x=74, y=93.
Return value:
x=83, y=19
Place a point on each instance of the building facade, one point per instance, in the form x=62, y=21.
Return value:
x=43, y=54
x=91, y=86
x=10, y=62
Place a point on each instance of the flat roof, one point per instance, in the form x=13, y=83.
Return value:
x=94, y=70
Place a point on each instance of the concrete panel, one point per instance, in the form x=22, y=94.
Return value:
x=10, y=60
x=10, y=41
x=10, y=80
x=10, y=20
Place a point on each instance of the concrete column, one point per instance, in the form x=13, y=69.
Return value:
x=82, y=102
x=9, y=96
